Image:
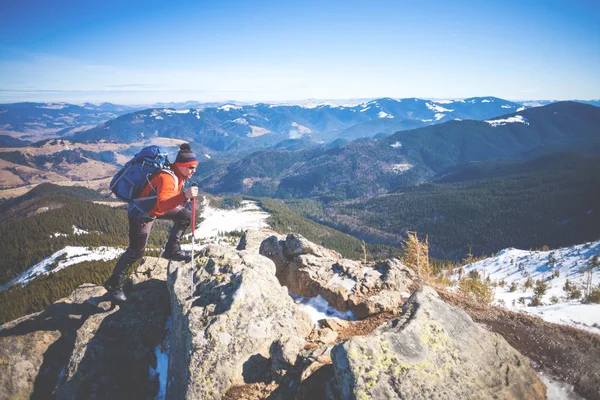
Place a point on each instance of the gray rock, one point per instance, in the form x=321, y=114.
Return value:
x=309, y=270
x=433, y=351
x=384, y=301
x=297, y=245
x=284, y=353
x=152, y=268
x=223, y=335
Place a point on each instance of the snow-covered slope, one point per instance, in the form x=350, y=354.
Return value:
x=511, y=269
x=63, y=258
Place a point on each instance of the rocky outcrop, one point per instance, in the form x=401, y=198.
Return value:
x=236, y=324
x=310, y=270
x=224, y=333
x=83, y=346
x=433, y=351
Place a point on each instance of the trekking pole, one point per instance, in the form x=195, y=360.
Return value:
x=193, y=239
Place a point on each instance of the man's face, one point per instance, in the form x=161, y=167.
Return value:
x=187, y=171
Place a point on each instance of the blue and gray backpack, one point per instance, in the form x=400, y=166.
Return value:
x=129, y=182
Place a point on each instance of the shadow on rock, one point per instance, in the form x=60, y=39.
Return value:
x=256, y=369
x=65, y=318
x=113, y=351
x=221, y=295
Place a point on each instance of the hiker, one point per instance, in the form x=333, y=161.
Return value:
x=169, y=197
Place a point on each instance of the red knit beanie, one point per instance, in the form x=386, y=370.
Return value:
x=185, y=157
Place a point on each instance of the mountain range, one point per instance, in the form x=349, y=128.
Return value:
x=246, y=128
x=370, y=167
x=38, y=121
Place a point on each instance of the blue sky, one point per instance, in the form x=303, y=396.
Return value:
x=134, y=52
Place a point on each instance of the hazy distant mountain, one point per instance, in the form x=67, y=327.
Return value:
x=539, y=103
x=36, y=121
x=409, y=157
x=9, y=141
x=248, y=128
x=192, y=104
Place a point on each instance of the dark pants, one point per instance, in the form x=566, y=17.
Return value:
x=139, y=230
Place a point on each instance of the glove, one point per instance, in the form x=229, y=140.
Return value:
x=190, y=192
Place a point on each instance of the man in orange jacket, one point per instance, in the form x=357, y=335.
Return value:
x=169, y=197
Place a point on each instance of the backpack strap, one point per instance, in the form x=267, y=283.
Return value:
x=167, y=171
x=136, y=207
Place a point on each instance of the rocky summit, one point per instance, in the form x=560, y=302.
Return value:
x=233, y=327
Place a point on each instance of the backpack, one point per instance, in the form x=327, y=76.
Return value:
x=129, y=182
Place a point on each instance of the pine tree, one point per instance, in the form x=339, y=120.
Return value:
x=416, y=255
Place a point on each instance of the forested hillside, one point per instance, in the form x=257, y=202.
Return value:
x=48, y=226
x=284, y=220
x=549, y=201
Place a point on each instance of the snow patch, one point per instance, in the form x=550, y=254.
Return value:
x=396, y=145
x=53, y=106
x=248, y=216
x=558, y=390
x=162, y=362
x=78, y=231
x=399, y=168
x=229, y=107
x=318, y=308
x=506, y=106
x=439, y=116
x=437, y=108
x=486, y=101
x=384, y=115
x=516, y=118
x=241, y=121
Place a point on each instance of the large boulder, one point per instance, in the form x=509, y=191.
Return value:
x=310, y=270
x=224, y=332
x=433, y=351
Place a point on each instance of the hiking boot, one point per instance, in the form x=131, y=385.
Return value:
x=176, y=254
x=115, y=291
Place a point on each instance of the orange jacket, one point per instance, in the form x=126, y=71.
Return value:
x=168, y=196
